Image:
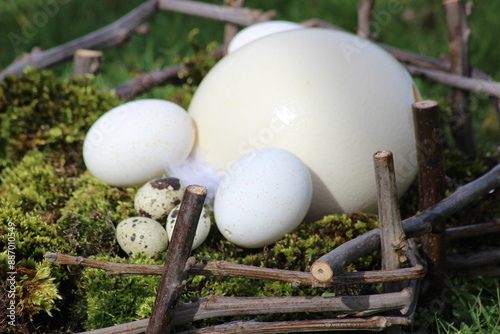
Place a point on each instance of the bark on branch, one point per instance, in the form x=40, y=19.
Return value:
x=239, y=16
x=215, y=306
x=228, y=269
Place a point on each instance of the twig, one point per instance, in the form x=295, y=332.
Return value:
x=113, y=34
x=365, y=8
x=238, y=16
x=475, y=230
x=215, y=306
x=231, y=29
x=457, y=81
x=414, y=226
x=86, y=62
x=146, y=81
x=228, y=269
x=458, y=42
x=176, y=263
x=392, y=237
x=431, y=183
x=375, y=323
x=479, y=259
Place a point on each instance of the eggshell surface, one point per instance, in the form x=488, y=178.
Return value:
x=141, y=235
x=202, y=230
x=262, y=197
x=158, y=197
x=331, y=98
x=130, y=144
x=259, y=30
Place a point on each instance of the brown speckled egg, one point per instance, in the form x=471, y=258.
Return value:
x=201, y=231
x=141, y=235
x=158, y=197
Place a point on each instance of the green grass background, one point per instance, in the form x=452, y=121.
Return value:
x=413, y=25
x=416, y=25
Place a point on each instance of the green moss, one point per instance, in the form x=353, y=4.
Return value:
x=33, y=236
x=112, y=300
x=36, y=183
x=36, y=292
x=39, y=110
x=90, y=215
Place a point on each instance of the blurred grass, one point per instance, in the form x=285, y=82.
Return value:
x=413, y=25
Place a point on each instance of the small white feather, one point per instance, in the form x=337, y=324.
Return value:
x=196, y=170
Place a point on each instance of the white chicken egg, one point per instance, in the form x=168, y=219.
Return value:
x=331, y=98
x=259, y=30
x=262, y=197
x=202, y=230
x=158, y=197
x=141, y=235
x=130, y=144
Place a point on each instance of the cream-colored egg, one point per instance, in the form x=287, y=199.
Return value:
x=262, y=197
x=259, y=30
x=130, y=144
x=141, y=235
x=331, y=98
x=158, y=197
x=202, y=230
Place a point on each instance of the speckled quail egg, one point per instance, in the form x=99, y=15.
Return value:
x=158, y=197
x=201, y=231
x=141, y=235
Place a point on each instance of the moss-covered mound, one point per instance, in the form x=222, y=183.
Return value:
x=50, y=203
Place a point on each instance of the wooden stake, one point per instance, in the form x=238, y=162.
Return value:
x=231, y=29
x=365, y=8
x=458, y=42
x=86, y=62
x=431, y=180
x=176, y=264
x=392, y=237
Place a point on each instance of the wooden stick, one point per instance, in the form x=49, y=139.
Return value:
x=392, y=237
x=238, y=16
x=176, y=264
x=231, y=29
x=111, y=35
x=215, y=306
x=431, y=183
x=365, y=8
x=228, y=269
x=457, y=81
x=375, y=323
x=86, y=62
x=144, y=82
x=418, y=225
x=479, y=259
x=458, y=42
x=475, y=230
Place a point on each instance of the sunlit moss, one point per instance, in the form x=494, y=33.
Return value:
x=90, y=215
x=39, y=110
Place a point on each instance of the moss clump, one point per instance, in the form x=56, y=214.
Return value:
x=33, y=236
x=39, y=110
x=36, y=183
x=35, y=297
x=90, y=215
x=112, y=300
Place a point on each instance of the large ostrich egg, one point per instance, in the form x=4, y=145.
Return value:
x=329, y=97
